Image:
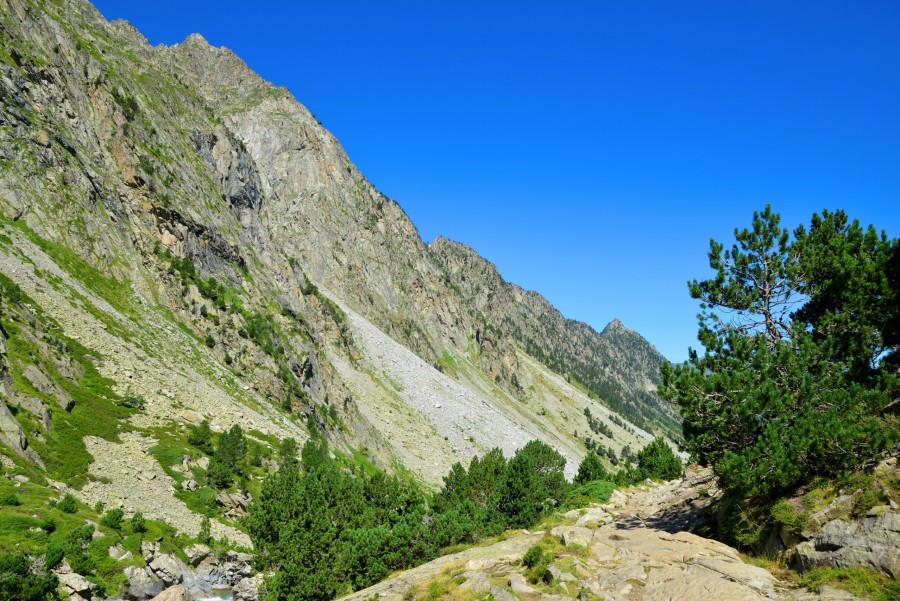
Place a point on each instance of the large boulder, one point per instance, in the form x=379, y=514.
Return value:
x=76, y=584
x=172, y=571
x=234, y=504
x=174, y=593
x=872, y=541
x=142, y=584
x=247, y=589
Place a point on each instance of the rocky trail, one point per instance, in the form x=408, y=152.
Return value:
x=633, y=548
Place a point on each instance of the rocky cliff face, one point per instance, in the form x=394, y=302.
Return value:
x=184, y=233
x=617, y=364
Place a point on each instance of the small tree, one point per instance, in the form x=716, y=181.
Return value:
x=800, y=354
x=287, y=453
x=227, y=461
x=201, y=437
x=657, y=461
x=68, y=504
x=138, y=524
x=591, y=468
x=113, y=518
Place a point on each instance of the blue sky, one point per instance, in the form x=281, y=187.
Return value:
x=589, y=149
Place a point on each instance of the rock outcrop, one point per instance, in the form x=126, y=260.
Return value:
x=872, y=541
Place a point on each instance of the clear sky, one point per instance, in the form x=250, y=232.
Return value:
x=589, y=149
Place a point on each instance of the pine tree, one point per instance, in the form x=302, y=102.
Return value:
x=590, y=469
x=797, y=362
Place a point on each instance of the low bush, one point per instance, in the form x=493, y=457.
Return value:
x=69, y=504
x=597, y=491
x=113, y=519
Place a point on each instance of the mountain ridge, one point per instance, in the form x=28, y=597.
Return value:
x=207, y=206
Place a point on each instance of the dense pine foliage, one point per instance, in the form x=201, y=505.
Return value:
x=324, y=530
x=801, y=357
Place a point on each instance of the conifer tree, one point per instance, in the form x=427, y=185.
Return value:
x=798, y=354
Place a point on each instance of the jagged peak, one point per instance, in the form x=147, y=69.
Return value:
x=128, y=29
x=614, y=325
x=198, y=39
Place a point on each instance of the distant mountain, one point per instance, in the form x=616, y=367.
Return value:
x=616, y=365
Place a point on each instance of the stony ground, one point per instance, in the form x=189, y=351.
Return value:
x=130, y=478
x=632, y=548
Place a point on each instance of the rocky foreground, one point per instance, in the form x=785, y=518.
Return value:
x=635, y=547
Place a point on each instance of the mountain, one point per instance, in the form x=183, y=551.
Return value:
x=182, y=241
x=616, y=365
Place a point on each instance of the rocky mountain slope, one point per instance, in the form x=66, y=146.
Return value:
x=181, y=241
x=617, y=364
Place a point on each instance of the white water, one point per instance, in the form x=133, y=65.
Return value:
x=219, y=596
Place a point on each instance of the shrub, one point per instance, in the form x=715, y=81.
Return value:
x=657, y=461
x=210, y=341
x=533, y=556
x=201, y=437
x=591, y=468
x=69, y=504
x=48, y=525
x=597, y=491
x=539, y=561
x=113, y=518
x=17, y=582
x=138, y=524
x=54, y=554
x=205, y=535
x=10, y=498
x=132, y=401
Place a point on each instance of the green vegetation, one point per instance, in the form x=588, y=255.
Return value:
x=113, y=518
x=138, y=523
x=655, y=461
x=801, y=338
x=861, y=582
x=45, y=532
x=325, y=531
x=201, y=437
x=537, y=561
x=591, y=468
x=128, y=104
x=597, y=491
x=18, y=582
x=229, y=459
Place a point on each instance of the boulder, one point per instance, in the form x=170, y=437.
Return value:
x=519, y=585
x=76, y=584
x=234, y=504
x=247, y=589
x=167, y=569
x=173, y=571
x=573, y=535
x=197, y=553
x=174, y=593
x=142, y=584
x=872, y=541
x=557, y=575
x=501, y=595
x=116, y=551
x=477, y=583
x=594, y=517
